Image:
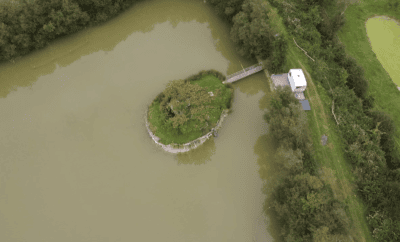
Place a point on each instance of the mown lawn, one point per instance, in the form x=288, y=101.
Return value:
x=221, y=102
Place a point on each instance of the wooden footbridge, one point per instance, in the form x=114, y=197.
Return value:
x=244, y=73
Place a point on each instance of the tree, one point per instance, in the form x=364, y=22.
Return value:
x=394, y=4
x=303, y=204
x=356, y=80
x=186, y=106
x=251, y=31
x=368, y=102
x=387, y=141
x=227, y=8
x=328, y=27
x=289, y=160
x=365, y=150
x=287, y=121
x=348, y=108
x=278, y=56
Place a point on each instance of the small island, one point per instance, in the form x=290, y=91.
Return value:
x=190, y=111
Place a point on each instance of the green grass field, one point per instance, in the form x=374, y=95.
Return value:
x=157, y=118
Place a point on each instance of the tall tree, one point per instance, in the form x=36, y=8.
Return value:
x=251, y=31
x=186, y=106
x=227, y=8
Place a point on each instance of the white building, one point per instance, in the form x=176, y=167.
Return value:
x=297, y=80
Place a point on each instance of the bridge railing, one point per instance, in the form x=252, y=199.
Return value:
x=243, y=71
x=243, y=75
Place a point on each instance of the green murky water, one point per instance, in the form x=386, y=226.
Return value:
x=384, y=35
x=77, y=163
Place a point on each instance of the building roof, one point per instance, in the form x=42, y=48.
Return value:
x=298, y=77
x=305, y=104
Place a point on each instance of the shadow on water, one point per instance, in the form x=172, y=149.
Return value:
x=265, y=148
x=254, y=84
x=198, y=156
x=264, y=102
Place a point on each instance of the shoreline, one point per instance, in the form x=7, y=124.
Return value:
x=180, y=148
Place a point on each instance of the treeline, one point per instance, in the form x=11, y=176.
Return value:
x=303, y=201
x=255, y=30
x=368, y=134
x=29, y=25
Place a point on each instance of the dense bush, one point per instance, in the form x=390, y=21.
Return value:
x=287, y=120
x=303, y=202
x=251, y=32
x=256, y=33
x=368, y=103
x=387, y=142
x=227, y=8
x=356, y=79
x=394, y=5
x=199, y=75
x=278, y=57
x=328, y=26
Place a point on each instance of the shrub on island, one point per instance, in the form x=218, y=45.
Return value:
x=188, y=109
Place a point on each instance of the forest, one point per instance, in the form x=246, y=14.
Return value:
x=303, y=201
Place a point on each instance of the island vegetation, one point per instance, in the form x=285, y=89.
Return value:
x=188, y=109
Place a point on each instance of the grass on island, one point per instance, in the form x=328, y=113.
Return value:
x=222, y=101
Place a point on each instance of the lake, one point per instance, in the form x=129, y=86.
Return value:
x=77, y=163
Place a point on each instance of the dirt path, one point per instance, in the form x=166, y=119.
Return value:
x=341, y=187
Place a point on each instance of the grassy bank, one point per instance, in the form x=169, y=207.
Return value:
x=354, y=36
x=221, y=100
x=320, y=121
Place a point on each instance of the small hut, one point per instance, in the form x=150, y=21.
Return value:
x=297, y=80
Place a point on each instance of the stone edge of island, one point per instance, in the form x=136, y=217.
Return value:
x=190, y=145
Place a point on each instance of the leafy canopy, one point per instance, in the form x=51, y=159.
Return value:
x=189, y=107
